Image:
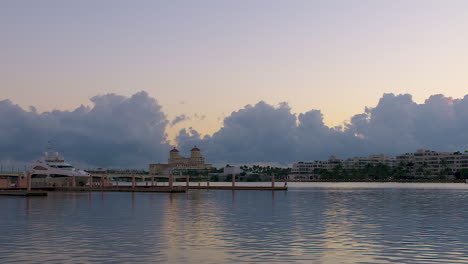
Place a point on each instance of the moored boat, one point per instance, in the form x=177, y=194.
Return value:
x=52, y=170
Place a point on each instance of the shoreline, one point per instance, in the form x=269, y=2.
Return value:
x=379, y=181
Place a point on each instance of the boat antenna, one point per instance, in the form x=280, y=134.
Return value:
x=49, y=147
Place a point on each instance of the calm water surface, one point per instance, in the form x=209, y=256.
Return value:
x=310, y=223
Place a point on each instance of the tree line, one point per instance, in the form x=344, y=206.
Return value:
x=380, y=171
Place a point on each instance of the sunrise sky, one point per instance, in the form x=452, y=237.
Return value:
x=213, y=57
x=206, y=59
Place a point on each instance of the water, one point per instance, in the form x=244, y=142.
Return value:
x=310, y=223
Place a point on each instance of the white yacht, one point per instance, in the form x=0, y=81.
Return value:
x=52, y=170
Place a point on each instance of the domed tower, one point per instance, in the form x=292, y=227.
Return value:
x=174, y=156
x=196, y=158
x=195, y=152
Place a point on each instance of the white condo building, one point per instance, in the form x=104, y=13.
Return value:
x=306, y=170
x=362, y=162
x=420, y=163
x=431, y=162
x=310, y=170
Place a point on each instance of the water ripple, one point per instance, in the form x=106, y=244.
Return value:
x=323, y=223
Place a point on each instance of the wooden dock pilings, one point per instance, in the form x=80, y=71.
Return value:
x=104, y=186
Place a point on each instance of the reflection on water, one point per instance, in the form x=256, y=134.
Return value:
x=310, y=223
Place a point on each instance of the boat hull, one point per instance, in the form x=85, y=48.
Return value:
x=59, y=182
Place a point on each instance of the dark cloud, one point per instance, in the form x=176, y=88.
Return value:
x=398, y=124
x=117, y=131
x=179, y=119
x=120, y=131
x=264, y=133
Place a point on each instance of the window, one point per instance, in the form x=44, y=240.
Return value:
x=65, y=167
x=58, y=176
x=38, y=176
x=39, y=168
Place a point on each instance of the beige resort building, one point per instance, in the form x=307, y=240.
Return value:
x=196, y=161
x=425, y=163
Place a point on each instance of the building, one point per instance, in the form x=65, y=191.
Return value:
x=230, y=170
x=362, y=162
x=311, y=170
x=196, y=161
x=307, y=170
x=422, y=163
x=425, y=162
x=332, y=162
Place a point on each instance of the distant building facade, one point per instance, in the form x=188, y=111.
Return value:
x=196, y=161
x=307, y=170
x=311, y=170
x=422, y=163
x=427, y=163
x=362, y=162
x=230, y=170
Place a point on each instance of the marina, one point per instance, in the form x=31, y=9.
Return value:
x=50, y=173
x=38, y=191
x=234, y=132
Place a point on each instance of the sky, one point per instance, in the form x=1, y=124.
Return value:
x=201, y=62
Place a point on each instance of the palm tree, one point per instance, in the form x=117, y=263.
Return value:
x=444, y=172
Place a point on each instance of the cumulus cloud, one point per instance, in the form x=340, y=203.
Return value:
x=179, y=118
x=265, y=133
x=398, y=124
x=119, y=131
x=116, y=131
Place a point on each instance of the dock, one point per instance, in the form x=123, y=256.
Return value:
x=42, y=191
x=161, y=189
x=239, y=188
x=26, y=188
x=22, y=193
x=166, y=189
